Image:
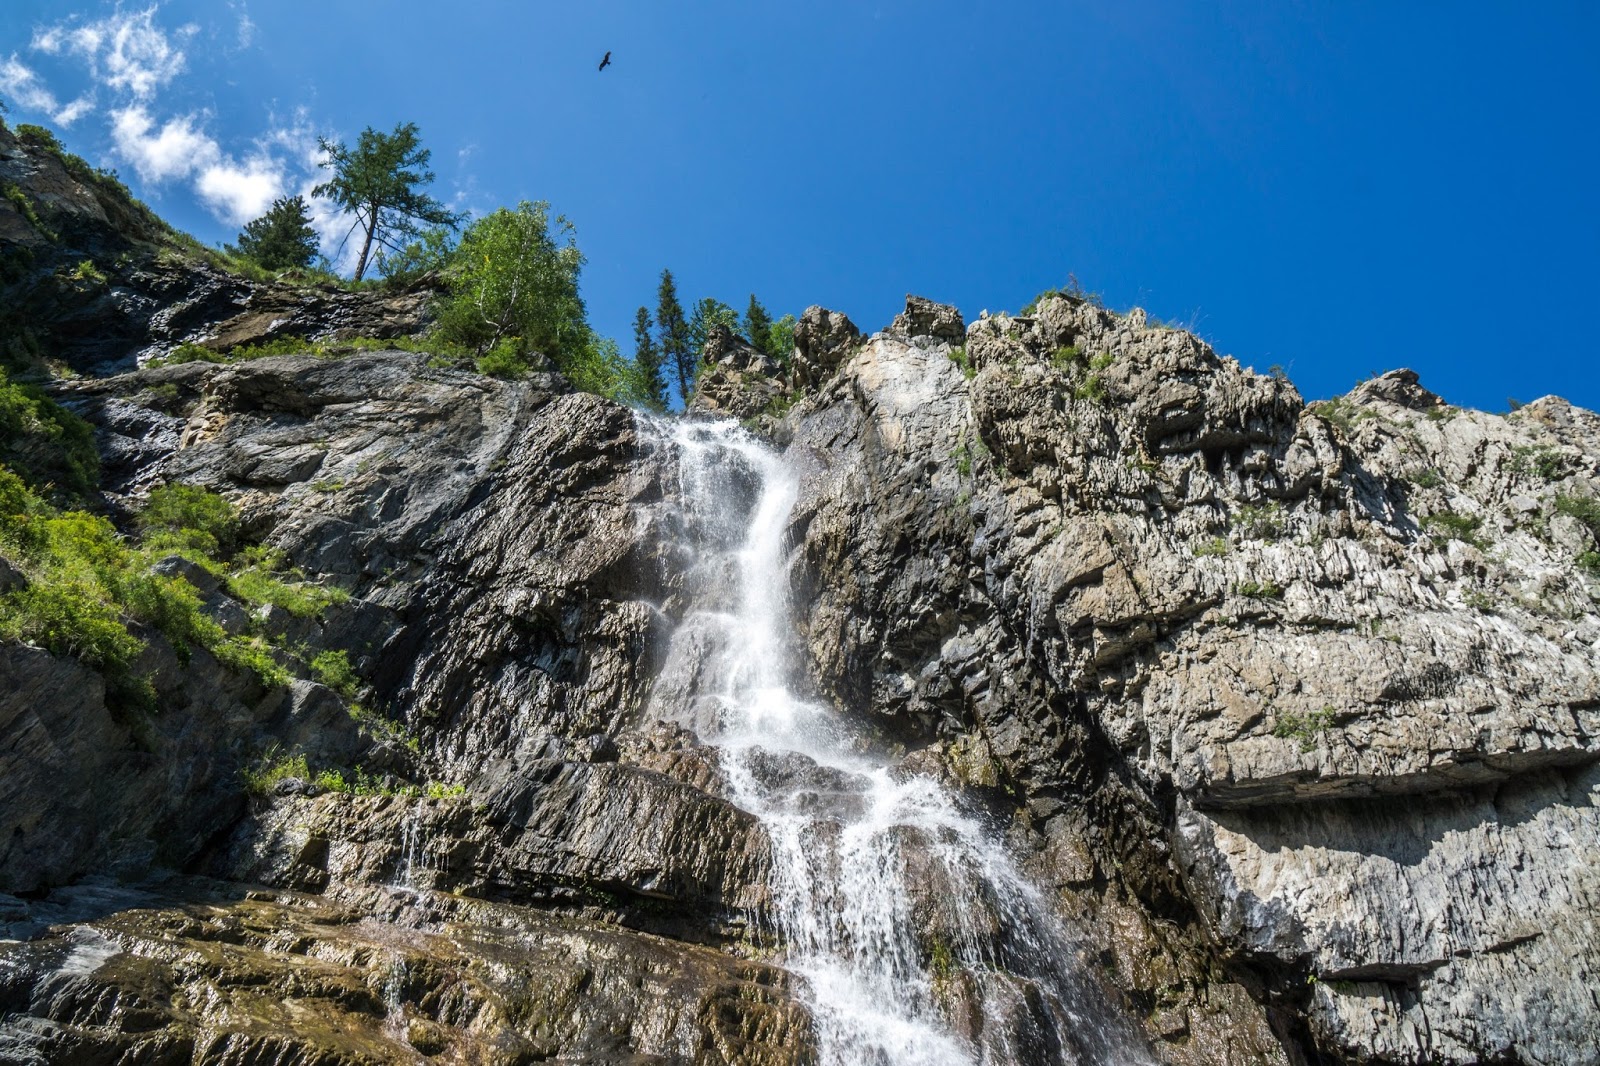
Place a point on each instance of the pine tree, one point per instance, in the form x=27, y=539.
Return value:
x=673, y=331
x=379, y=181
x=282, y=237
x=648, y=358
x=758, y=326
x=707, y=313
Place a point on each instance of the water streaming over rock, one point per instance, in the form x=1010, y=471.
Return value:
x=917, y=939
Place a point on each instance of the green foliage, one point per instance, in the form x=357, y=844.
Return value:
x=780, y=339
x=1427, y=478
x=19, y=200
x=1304, y=727
x=187, y=517
x=1260, y=521
x=673, y=335
x=1091, y=389
x=380, y=182
x=958, y=356
x=333, y=669
x=1072, y=290
x=188, y=352
x=273, y=767
x=941, y=961
x=1258, y=590
x=265, y=578
x=758, y=327
x=708, y=313
x=647, y=357
x=1067, y=357
x=600, y=367
x=1341, y=412
x=512, y=277
x=281, y=238
x=87, y=273
x=1546, y=463
x=504, y=360
x=1585, y=509
x=1447, y=525
x=1589, y=563
x=44, y=442
x=1213, y=547
x=1102, y=361
x=430, y=253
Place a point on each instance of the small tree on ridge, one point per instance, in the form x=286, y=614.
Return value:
x=380, y=181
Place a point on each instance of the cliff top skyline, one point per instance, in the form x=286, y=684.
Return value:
x=1334, y=191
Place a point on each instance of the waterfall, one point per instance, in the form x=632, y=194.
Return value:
x=916, y=939
x=413, y=850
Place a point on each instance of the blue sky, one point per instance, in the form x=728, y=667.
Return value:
x=1337, y=188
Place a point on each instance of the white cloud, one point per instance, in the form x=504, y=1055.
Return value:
x=125, y=51
x=239, y=192
x=176, y=150
x=234, y=191
x=19, y=82
x=247, y=28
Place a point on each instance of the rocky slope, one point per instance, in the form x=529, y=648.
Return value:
x=1292, y=710
x=93, y=282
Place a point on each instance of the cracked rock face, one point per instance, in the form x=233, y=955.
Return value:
x=1291, y=710
x=1334, y=668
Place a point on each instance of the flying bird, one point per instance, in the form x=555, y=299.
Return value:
x=606, y=62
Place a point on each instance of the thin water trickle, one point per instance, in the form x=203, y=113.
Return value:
x=917, y=940
x=413, y=851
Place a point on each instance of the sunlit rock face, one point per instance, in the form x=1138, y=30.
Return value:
x=1045, y=688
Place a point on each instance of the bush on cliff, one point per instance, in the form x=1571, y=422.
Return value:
x=85, y=591
x=513, y=292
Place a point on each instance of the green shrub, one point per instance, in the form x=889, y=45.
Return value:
x=264, y=578
x=45, y=443
x=1303, y=727
x=1066, y=357
x=1545, y=463
x=333, y=669
x=1589, y=563
x=958, y=356
x=87, y=271
x=1214, y=546
x=1585, y=509
x=181, y=516
x=504, y=360
x=1090, y=389
x=1428, y=478
x=1447, y=526
x=25, y=208
x=1260, y=521
x=273, y=768
x=1262, y=590
x=252, y=655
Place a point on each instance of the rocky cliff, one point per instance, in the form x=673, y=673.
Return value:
x=1290, y=710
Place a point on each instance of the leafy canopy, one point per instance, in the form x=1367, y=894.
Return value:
x=380, y=181
x=282, y=238
x=512, y=277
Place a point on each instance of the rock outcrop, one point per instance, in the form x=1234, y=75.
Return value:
x=1292, y=710
x=103, y=285
x=1314, y=685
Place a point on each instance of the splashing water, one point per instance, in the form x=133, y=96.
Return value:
x=413, y=851
x=917, y=940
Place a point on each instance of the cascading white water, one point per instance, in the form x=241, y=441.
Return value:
x=917, y=940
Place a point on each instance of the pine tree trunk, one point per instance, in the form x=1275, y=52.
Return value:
x=366, y=244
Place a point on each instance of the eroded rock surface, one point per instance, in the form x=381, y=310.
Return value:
x=1293, y=710
x=1314, y=686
